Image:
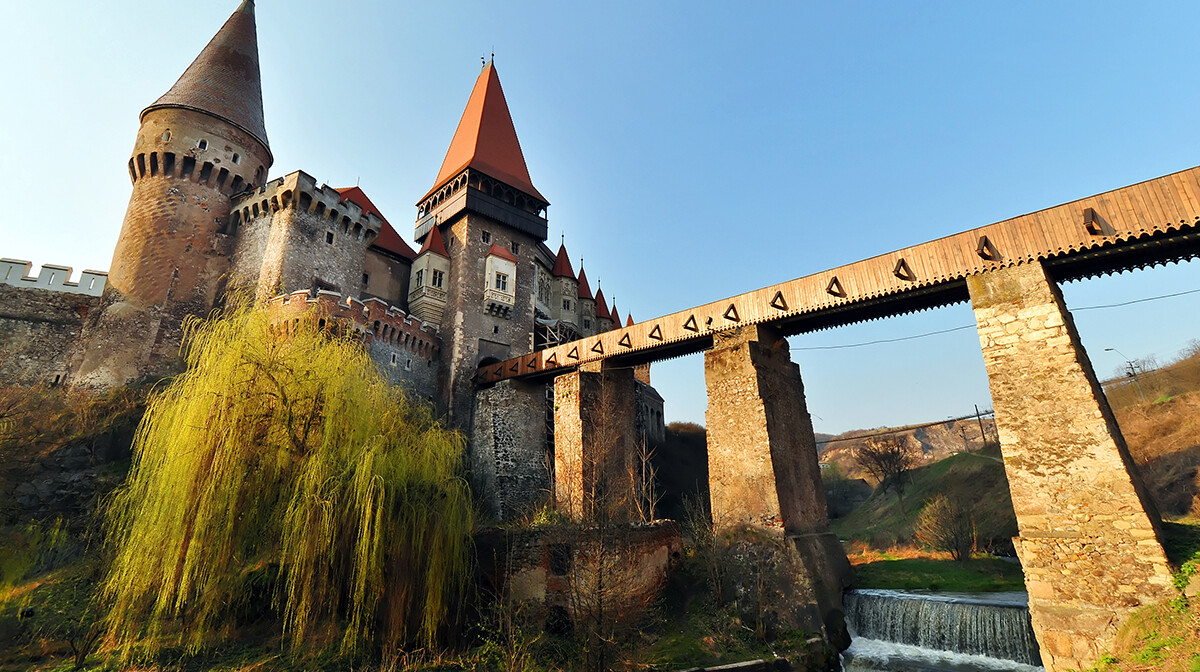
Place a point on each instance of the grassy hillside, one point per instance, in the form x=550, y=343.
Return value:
x=975, y=479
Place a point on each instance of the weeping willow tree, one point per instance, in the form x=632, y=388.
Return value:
x=289, y=452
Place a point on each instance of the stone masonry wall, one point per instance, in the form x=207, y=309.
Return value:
x=39, y=331
x=595, y=442
x=762, y=456
x=1088, y=540
x=508, y=459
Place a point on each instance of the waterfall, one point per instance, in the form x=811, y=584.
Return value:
x=898, y=630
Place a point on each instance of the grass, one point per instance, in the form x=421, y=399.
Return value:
x=977, y=575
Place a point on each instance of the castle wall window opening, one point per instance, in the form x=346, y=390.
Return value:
x=329, y=237
x=421, y=278
x=438, y=279
x=502, y=282
x=487, y=236
x=203, y=144
x=516, y=247
x=566, y=304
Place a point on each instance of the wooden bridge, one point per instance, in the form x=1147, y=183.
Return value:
x=1151, y=222
x=1088, y=533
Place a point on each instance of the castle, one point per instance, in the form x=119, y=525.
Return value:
x=204, y=218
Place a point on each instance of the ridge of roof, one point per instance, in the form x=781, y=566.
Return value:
x=501, y=252
x=562, y=264
x=585, y=292
x=224, y=80
x=486, y=139
x=602, y=306
x=435, y=243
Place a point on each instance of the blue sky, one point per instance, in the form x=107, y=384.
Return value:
x=690, y=151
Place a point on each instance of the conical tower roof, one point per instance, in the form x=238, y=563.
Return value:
x=602, y=305
x=224, y=79
x=486, y=139
x=562, y=264
x=585, y=292
x=616, y=317
x=629, y=320
x=434, y=243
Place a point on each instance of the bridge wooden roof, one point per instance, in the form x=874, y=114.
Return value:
x=1148, y=223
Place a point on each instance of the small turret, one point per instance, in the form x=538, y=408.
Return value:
x=604, y=321
x=566, y=288
x=587, y=305
x=430, y=278
x=616, y=317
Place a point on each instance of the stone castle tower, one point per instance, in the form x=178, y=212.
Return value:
x=492, y=220
x=199, y=145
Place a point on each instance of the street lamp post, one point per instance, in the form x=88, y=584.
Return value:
x=1130, y=371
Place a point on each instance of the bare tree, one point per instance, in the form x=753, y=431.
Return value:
x=887, y=459
x=946, y=525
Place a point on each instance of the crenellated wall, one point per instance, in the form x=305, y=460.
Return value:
x=293, y=234
x=405, y=349
x=52, y=278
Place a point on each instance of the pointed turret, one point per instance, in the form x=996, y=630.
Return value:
x=616, y=317
x=435, y=243
x=224, y=80
x=486, y=139
x=629, y=320
x=585, y=292
x=602, y=306
x=562, y=264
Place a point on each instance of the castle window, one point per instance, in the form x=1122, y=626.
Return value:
x=421, y=278
x=329, y=237
x=516, y=247
x=206, y=172
x=166, y=136
x=566, y=304
x=203, y=144
x=502, y=282
x=394, y=359
x=487, y=236
x=236, y=158
x=366, y=278
x=437, y=279
x=408, y=365
x=495, y=329
x=587, y=324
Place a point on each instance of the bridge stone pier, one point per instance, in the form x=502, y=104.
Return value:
x=762, y=461
x=1088, y=533
x=595, y=442
x=507, y=457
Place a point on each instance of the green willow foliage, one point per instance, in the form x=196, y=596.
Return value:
x=288, y=454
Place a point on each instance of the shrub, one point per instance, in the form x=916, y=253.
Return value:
x=945, y=525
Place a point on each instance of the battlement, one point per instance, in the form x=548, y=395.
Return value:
x=374, y=319
x=299, y=190
x=15, y=272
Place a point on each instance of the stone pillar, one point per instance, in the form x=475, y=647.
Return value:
x=763, y=471
x=595, y=443
x=510, y=469
x=1088, y=534
x=762, y=456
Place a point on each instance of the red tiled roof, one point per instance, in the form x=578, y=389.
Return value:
x=616, y=317
x=434, y=243
x=501, y=252
x=388, y=238
x=629, y=320
x=585, y=292
x=602, y=306
x=486, y=139
x=224, y=79
x=562, y=264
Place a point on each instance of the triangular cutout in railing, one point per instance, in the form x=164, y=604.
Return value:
x=987, y=250
x=552, y=360
x=656, y=333
x=574, y=353
x=731, y=314
x=691, y=325
x=625, y=341
x=778, y=302
x=903, y=272
x=598, y=348
x=835, y=288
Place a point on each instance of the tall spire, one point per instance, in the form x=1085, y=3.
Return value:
x=224, y=80
x=486, y=139
x=585, y=292
x=602, y=305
